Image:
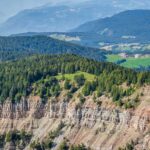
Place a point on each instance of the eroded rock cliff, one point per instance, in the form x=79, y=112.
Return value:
x=100, y=127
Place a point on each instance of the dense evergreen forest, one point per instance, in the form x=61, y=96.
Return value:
x=18, y=77
x=18, y=47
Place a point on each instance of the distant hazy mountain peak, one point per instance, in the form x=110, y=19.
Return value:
x=62, y=16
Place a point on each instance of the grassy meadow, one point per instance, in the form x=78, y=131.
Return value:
x=130, y=62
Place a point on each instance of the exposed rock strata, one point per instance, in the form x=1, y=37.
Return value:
x=100, y=128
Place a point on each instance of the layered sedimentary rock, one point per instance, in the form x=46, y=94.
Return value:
x=99, y=127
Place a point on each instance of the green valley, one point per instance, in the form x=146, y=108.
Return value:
x=129, y=62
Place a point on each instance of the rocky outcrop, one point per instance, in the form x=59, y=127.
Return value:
x=100, y=127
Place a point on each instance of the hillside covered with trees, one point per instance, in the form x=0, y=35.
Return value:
x=39, y=75
x=12, y=48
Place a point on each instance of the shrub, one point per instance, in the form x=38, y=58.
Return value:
x=79, y=79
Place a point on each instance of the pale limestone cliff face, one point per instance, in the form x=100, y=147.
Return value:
x=100, y=127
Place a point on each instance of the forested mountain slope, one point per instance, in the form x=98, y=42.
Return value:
x=18, y=47
x=18, y=77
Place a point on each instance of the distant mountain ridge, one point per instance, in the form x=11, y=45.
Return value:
x=127, y=24
x=53, y=18
x=63, y=17
x=132, y=26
